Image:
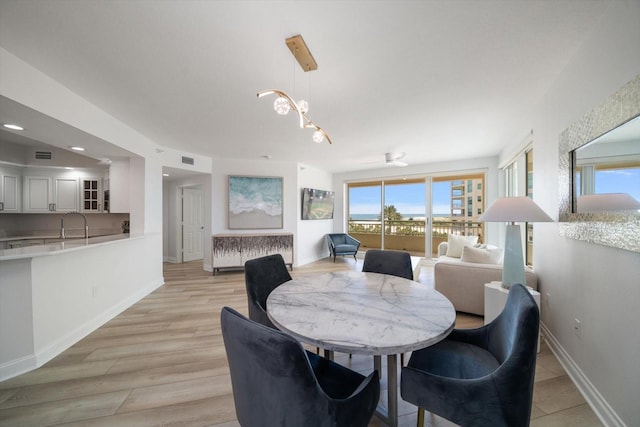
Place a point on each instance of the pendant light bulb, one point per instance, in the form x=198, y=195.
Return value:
x=281, y=105
x=304, y=106
x=318, y=137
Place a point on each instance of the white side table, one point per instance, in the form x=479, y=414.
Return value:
x=495, y=297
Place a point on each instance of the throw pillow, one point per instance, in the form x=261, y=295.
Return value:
x=481, y=256
x=456, y=243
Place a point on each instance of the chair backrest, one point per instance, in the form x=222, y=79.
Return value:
x=261, y=276
x=337, y=238
x=514, y=333
x=272, y=380
x=275, y=384
x=394, y=263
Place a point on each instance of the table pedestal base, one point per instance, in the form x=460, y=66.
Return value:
x=389, y=415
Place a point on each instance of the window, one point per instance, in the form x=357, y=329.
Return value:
x=479, y=199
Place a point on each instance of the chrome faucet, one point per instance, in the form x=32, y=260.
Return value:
x=86, y=226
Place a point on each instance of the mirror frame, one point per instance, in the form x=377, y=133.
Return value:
x=616, y=229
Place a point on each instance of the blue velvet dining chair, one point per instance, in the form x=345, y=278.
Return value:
x=480, y=377
x=394, y=263
x=277, y=383
x=261, y=276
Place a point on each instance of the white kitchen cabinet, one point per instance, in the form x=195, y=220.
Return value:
x=43, y=194
x=10, y=191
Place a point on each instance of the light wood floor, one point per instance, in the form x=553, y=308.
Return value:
x=162, y=363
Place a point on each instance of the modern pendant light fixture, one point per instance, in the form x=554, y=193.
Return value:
x=284, y=103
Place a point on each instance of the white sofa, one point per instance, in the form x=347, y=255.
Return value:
x=463, y=282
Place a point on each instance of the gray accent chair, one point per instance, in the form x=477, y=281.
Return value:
x=342, y=244
x=277, y=383
x=261, y=276
x=483, y=376
x=395, y=263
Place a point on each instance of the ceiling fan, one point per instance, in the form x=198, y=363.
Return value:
x=393, y=159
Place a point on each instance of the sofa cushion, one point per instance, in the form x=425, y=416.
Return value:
x=456, y=243
x=481, y=255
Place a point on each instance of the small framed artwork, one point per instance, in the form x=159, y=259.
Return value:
x=317, y=204
x=255, y=202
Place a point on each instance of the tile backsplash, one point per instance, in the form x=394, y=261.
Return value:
x=38, y=224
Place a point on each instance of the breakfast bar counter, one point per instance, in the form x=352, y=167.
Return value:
x=56, y=247
x=52, y=295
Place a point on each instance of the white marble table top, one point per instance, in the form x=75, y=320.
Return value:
x=361, y=313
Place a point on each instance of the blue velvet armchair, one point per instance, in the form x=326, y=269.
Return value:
x=342, y=244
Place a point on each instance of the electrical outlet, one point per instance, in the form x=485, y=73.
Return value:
x=577, y=327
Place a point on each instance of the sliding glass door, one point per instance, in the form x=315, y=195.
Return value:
x=388, y=214
x=365, y=211
x=456, y=203
x=395, y=214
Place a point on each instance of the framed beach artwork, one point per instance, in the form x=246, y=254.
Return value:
x=255, y=202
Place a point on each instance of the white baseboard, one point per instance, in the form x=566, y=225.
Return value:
x=170, y=259
x=598, y=404
x=16, y=367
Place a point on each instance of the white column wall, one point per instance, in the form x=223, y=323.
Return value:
x=310, y=239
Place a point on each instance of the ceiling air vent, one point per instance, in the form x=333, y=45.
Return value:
x=187, y=160
x=43, y=155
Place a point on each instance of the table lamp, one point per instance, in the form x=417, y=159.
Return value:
x=512, y=210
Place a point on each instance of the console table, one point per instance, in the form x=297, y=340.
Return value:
x=233, y=250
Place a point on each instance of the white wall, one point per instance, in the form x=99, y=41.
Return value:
x=310, y=238
x=598, y=285
x=308, y=235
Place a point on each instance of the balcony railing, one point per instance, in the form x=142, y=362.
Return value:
x=409, y=234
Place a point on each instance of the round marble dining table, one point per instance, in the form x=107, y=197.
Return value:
x=363, y=313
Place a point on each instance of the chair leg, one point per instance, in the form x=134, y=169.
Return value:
x=401, y=359
x=420, y=417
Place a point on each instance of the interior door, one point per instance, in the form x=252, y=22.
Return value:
x=192, y=224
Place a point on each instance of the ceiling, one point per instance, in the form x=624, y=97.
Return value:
x=438, y=80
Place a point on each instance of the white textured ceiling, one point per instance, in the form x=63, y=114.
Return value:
x=439, y=80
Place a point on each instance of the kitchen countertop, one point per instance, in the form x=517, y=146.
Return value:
x=55, y=234
x=67, y=245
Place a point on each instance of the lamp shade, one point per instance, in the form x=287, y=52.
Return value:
x=514, y=209
x=607, y=202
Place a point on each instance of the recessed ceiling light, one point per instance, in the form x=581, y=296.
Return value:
x=13, y=127
x=165, y=174
x=68, y=168
x=76, y=148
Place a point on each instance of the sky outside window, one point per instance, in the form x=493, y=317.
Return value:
x=409, y=200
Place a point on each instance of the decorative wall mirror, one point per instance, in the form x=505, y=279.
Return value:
x=595, y=206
